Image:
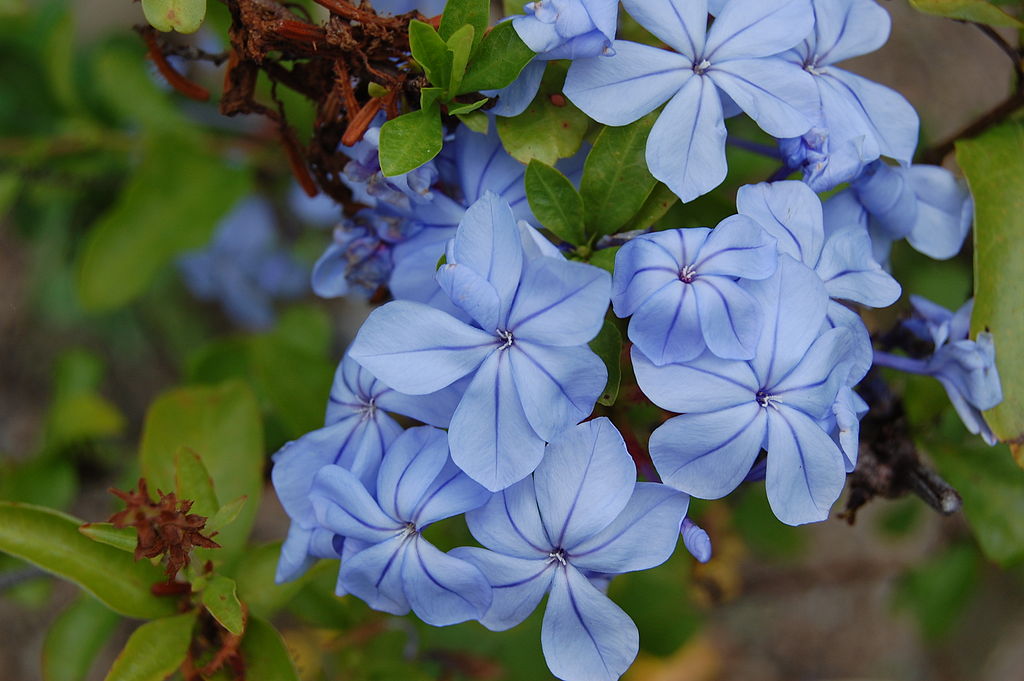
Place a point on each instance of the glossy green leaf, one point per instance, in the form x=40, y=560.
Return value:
x=154, y=650
x=616, y=182
x=500, y=58
x=461, y=13
x=75, y=639
x=658, y=203
x=220, y=599
x=51, y=541
x=978, y=11
x=183, y=16
x=555, y=202
x=192, y=481
x=545, y=131
x=180, y=193
x=994, y=166
x=123, y=538
x=604, y=258
x=460, y=46
x=409, y=141
x=430, y=50
x=462, y=109
x=608, y=346
x=265, y=655
x=222, y=423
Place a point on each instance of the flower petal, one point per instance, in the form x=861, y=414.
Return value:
x=891, y=117
x=681, y=24
x=730, y=318
x=642, y=266
x=850, y=272
x=510, y=523
x=451, y=493
x=707, y=383
x=666, y=328
x=738, y=247
x=560, y=302
x=442, y=589
x=789, y=211
x=843, y=30
x=585, y=636
x=416, y=349
x=708, y=455
x=780, y=96
x=584, y=481
x=472, y=293
x=944, y=211
x=757, y=28
x=642, y=536
x=343, y=506
x=517, y=584
x=375, y=575
x=812, y=385
x=412, y=462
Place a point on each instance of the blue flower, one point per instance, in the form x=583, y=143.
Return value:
x=318, y=212
x=777, y=401
x=686, y=147
x=243, y=267
x=532, y=374
x=680, y=286
x=582, y=512
x=861, y=120
x=568, y=29
x=357, y=431
x=924, y=204
x=966, y=368
x=696, y=540
x=395, y=568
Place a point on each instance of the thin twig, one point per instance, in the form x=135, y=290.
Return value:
x=1014, y=53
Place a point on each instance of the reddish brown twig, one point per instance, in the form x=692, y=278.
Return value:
x=175, y=79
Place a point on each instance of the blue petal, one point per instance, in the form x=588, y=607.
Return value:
x=708, y=455
x=686, y=147
x=696, y=540
x=510, y=523
x=642, y=266
x=861, y=352
x=434, y=409
x=484, y=166
x=558, y=386
x=517, y=584
x=730, y=318
x=539, y=36
x=560, y=302
x=472, y=293
x=642, y=536
x=416, y=349
x=584, y=481
x=375, y=575
x=848, y=410
x=450, y=494
x=514, y=98
x=328, y=278
x=344, y=506
x=585, y=636
x=295, y=555
x=666, y=328
x=850, y=272
x=780, y=96
x=843, y=30
x=681, y=24
x=619, y=89
x=737, y=247
x=806, y=471
x=488, y=242
x=757, y=28
x=707, y=383
x=790, y=212
x=490, y=436
x=944, y=211
x=812, y=385
x=441, y=589
x=893, y=120
x=412, y=462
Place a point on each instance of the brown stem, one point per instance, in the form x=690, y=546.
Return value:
x=175, y=79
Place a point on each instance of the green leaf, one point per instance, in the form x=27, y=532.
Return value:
x=78, y=411
x=192, y=481
x=502, y=55
x=183, y=16
x=223, y=424
x=154, y=650
x=658, y=202
x=171, y=203
x=994, y=166
x=265, y=655
x=477, y=121
x=220, y=600
x=10, y=185
x=604, y=258
x=460, y=45
x=51, y=541
x=226, y=515
x=430, y=50
x=254, y=576
x=123, y=538
x=463, y=109
x=461, y=13
x=75, y=639
x=125, y=86
x=544, y=131
x=608, y=346
x=977, y=11
x=555, y=202
x=409, y=141
x=616, y=182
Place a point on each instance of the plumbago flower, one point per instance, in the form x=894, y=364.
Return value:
x=858, y=120
x=581, y=512
x=776, y=401
x=532, y=374
x=357, y=431
x=966, y=368
x=924, y=204
x=396, y=569
x=680, y=286
x=686, y=147
x=359, y=259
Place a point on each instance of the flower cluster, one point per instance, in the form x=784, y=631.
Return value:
x=748, y=333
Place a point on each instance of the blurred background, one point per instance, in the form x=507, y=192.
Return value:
x=148, y=242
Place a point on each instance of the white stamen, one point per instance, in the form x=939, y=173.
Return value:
x=507, y=337
x=701, y=68
x=688, y=274
x=558, y=555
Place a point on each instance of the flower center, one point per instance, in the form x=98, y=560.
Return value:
x=811, y=66
x=557, y=555
x=409, y=530
x=507, y=338
x=764, y=399
x=688, y=274
x=701, y=67
x=369, y=408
